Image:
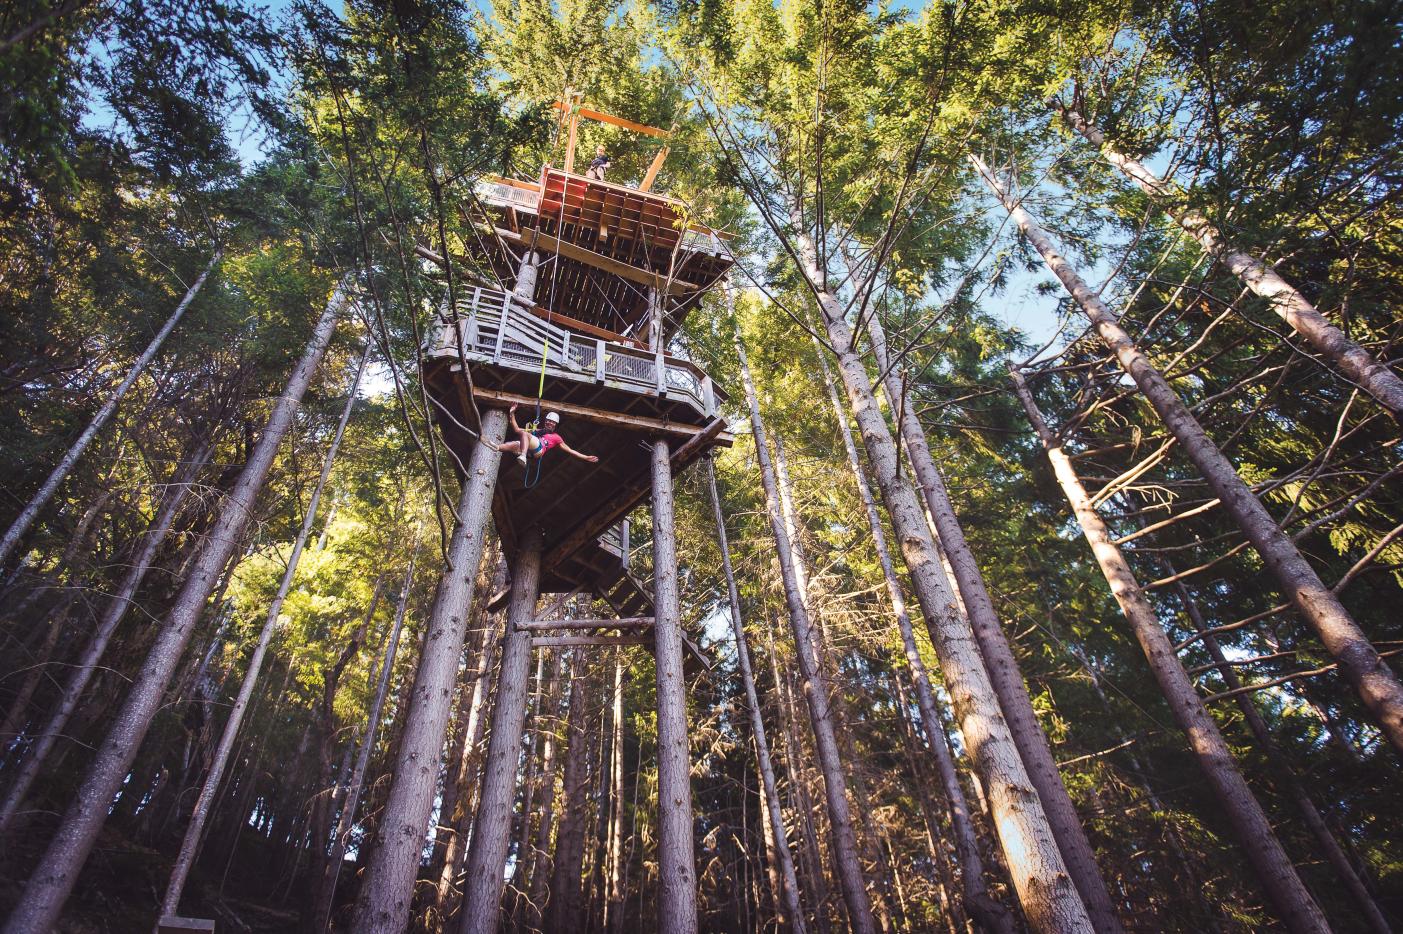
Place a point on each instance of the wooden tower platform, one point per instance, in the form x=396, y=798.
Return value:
x=587, y=271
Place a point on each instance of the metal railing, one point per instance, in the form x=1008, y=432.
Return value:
x=496, y=330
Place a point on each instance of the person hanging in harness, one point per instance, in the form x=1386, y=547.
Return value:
x=535, y=444
x=598, y=164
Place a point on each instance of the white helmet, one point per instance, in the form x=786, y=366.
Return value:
x=552, y=417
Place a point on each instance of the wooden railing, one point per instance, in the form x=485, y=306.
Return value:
x=496, y=330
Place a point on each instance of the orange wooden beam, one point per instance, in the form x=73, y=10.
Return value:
x=613, y=120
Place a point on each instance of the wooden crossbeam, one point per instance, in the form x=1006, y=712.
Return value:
x=627, y=622
x=533, y=239
x=555, y=317
x=613, y=120
x=561, y=642
x=174, y=924
x=600, y=416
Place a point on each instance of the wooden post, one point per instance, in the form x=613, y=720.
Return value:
x=653, y=169
x=388, y=889
x=1378, y=686
x=677, y=901
x=487, y=855
x=572, y=106
x=1293, y=904
x=792, y=914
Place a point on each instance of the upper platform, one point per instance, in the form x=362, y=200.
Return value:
x=603, y=247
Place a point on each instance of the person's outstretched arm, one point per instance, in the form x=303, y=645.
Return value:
x=574, y=453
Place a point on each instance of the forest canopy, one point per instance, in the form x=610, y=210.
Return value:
x=974, y=500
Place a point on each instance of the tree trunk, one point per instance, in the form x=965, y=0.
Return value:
x=818, y=882
x=388, y=890
x=541, y=845
x=194, y=831
x=677, y=871
x=992, y=916
x=1283, y=886
x=471, y=762
x=1359, y=661
x=613, y=909
x=487, y=852
x=355, y=783
x=1282, y=771
x=324, y=794
x=19, y=714
x=65, y=465
x=1341, y=353
x=791, y=914
x=975, y=605
x=816, y=690
x=53, y=879
x=1050, y=900
x=564, y=909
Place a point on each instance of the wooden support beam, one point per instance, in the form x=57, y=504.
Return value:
x=534, y=239
x=174, y=924
x=572, y=107
x=700, y=441
x=555, y=317
x=627, y=622
x=600, y=416
x=613, y=120
x=560, y=642
x=653, y=169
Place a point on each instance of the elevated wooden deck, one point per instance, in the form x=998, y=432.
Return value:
x=607, y=245
x=613, y=399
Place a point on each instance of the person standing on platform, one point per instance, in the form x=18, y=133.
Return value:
x=598, y=164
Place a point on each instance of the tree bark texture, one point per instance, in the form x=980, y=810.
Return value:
x=487, y=851
x=53, y=879
x=1341, y=353
x=545, y=827
x=974, y=603
x=388, y=890
x=1050, y=899
x=677, y=869
x=992, y=915
x=470, y=766
x=1378, y=686
x=816, y=691
x=1293, y=904
x=792, y=910
x=65, y=465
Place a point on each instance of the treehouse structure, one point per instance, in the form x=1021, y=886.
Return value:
x=594, y=277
